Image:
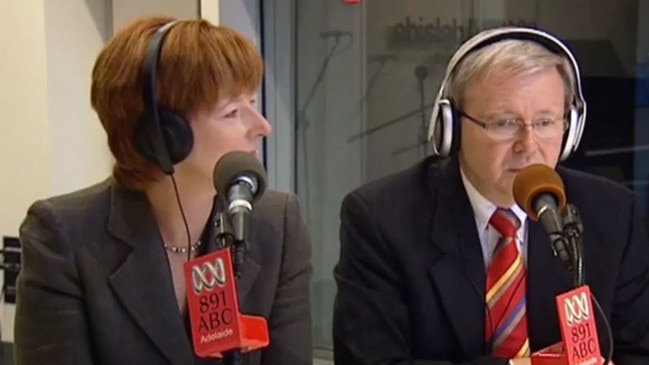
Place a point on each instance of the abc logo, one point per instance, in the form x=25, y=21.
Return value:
x=577, y=308
x=208, y=275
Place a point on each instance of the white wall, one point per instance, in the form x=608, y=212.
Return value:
x=51, y=141
x=78, y=155
x=24, y=141
x=125, y=11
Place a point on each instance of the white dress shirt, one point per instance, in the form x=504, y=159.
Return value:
x=482, y=211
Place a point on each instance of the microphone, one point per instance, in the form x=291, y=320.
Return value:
x=240, y=178
x=539, y=191
x=218, y=327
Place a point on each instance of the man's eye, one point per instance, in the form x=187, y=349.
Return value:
x=506, y=123
x=545, y=123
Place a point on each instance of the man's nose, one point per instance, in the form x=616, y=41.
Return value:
x=527, y=138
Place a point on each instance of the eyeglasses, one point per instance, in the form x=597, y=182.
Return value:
x=511, y=128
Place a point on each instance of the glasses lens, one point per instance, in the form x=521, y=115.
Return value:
x=550, y=128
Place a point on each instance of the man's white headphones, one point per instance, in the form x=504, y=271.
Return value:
x=444, y=129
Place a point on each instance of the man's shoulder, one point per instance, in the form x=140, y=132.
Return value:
x=598, y=198
x=581, y=183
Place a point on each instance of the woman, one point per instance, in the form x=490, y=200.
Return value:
x=102, y=278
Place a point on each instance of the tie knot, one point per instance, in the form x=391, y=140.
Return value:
x=505, y=222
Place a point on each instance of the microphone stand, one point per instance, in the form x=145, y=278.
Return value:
x=382, y=60
x=224, y=239
x=572, y=230
x=421, y=72
x=390, y=122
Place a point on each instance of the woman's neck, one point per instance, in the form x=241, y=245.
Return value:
x=196, y=204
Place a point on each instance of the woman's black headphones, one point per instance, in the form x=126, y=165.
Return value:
x=162, y=136
x=444, y=129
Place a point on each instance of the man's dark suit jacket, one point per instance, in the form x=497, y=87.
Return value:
x=96, y=287
x=411, y=275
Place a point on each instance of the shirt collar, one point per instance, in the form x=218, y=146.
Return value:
x=483, y=209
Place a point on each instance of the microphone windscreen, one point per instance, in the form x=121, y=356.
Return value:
x=237, y=164
x=535, y=180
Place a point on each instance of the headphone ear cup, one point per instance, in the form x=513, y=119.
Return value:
x=456, y=130
x=444, y=135
x=571, y=135
x=177, y=134
x=142, y=139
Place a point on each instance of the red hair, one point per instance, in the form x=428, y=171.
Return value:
x=200, y=63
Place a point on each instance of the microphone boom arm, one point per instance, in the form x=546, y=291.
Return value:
x=573, y=229
x=225, y=238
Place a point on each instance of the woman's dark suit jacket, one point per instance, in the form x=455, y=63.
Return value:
x=96, y=287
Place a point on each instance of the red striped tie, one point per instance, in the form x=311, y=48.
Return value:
x=506, y=327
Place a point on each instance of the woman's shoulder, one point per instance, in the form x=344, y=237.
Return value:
x=276, y=206
x=78, y=204
x=275, y=215
x=65, y=214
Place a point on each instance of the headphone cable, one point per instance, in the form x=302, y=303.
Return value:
x=182, y=213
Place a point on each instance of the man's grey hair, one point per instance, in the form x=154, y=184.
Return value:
x=521, y=57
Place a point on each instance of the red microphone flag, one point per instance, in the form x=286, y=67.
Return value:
x=580, y=344
x=217, y=326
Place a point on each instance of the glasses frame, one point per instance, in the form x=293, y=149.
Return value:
x=488, y=126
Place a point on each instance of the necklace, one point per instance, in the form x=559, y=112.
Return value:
x=176, y=249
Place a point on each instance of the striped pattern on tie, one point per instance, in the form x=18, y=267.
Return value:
x=506, y=322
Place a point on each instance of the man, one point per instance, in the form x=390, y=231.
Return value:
x=417, y=270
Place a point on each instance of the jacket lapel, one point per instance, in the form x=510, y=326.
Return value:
x=458, y=270
x=251, y=269
x=143, y=283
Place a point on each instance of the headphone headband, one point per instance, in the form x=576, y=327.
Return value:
x=484, y=39
x=151, y=62
x=152, y=112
